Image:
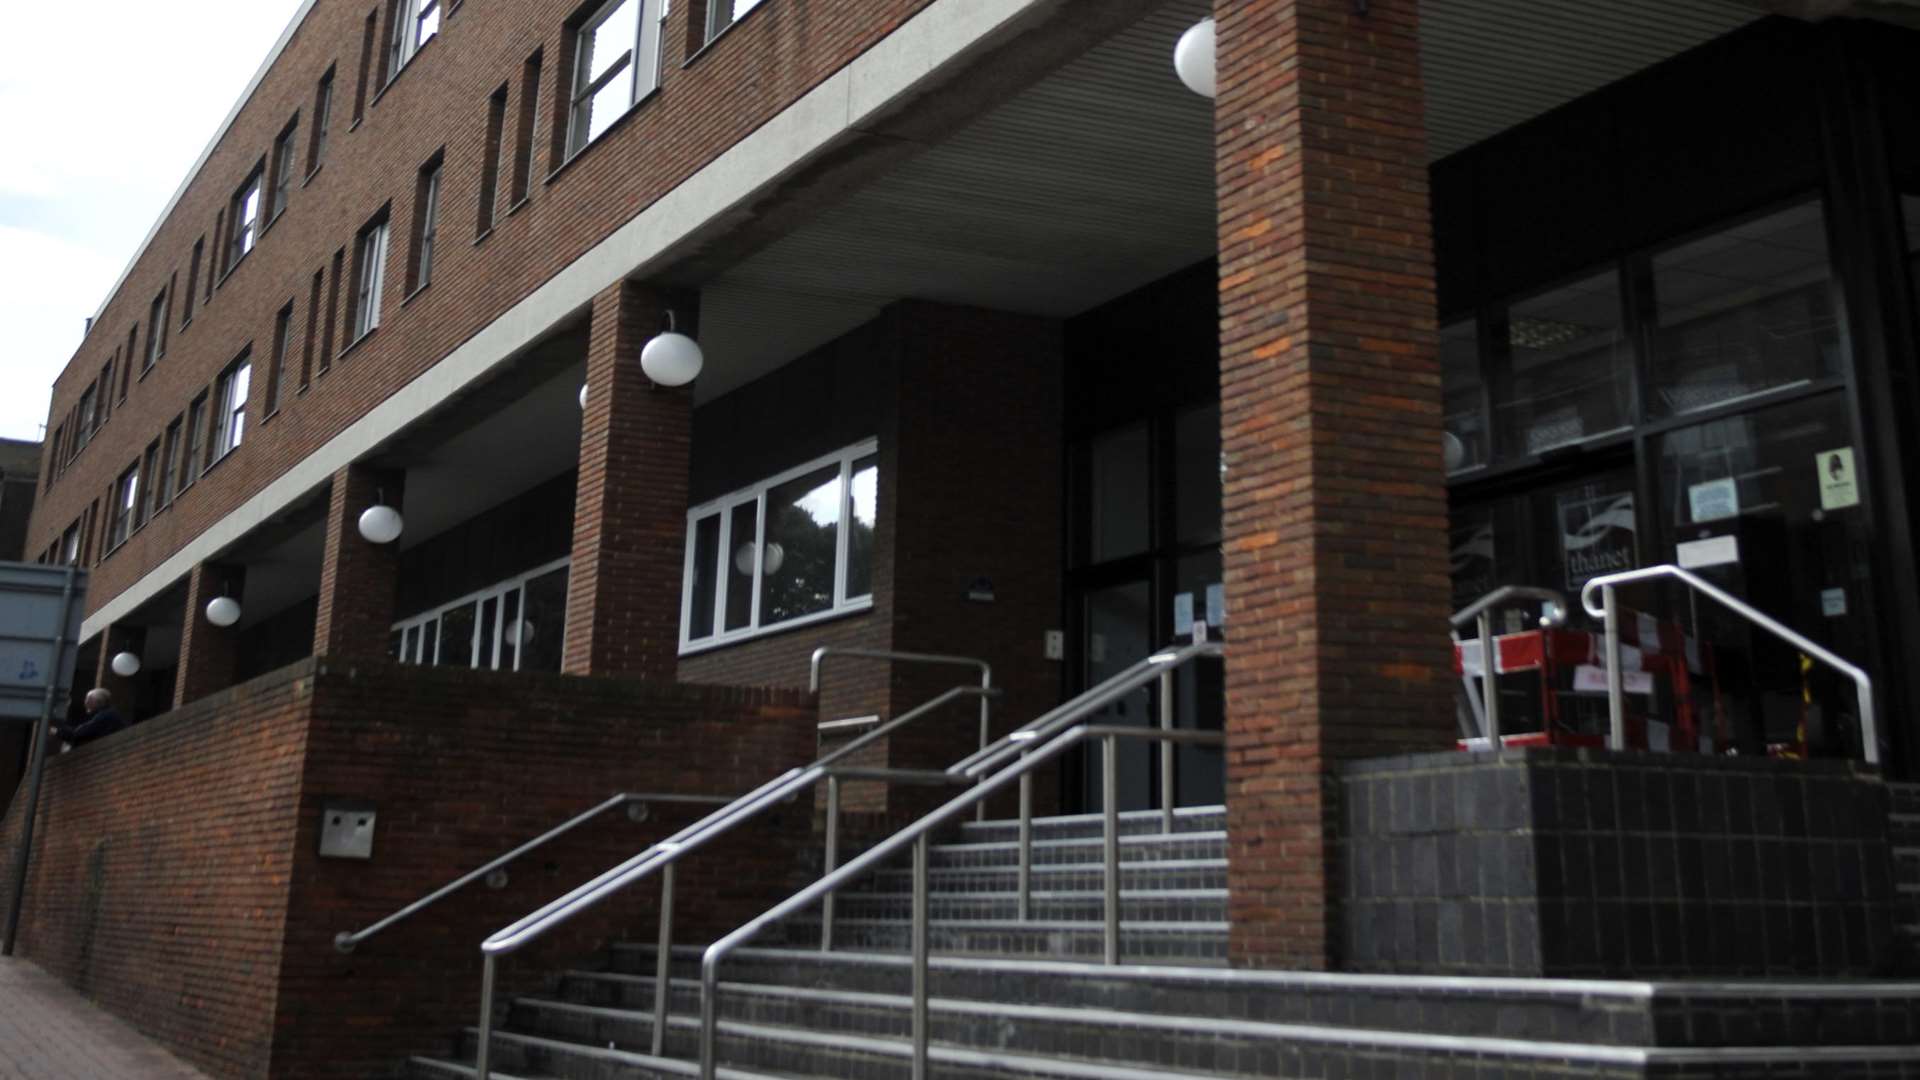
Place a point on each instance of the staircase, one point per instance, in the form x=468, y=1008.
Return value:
x=1903, y=833
x=1031, y=1000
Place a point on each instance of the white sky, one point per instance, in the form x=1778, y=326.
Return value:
x=89, y=156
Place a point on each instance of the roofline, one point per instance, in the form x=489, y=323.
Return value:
x=193, y=173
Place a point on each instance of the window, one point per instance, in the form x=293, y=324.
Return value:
x=724, y=13
x=426, y=216
x=322, y=116
x=70, y=545
x=149, y=468
x=516, y=625
x=369, y=265
x=196, y=459
x=213, y=264
x=490, y=152
x=244, y=212
x=89, y=418
x=616, y=63
x=333, y=306
x=1566, y=375
x=280, y=179
x=282, y=326
x=126, y=496
x=524, y=127
x=230, y=407
x=816, y=561
x=368, y=35
x=169, y=479
x=106, y=389
x=193, y=276
x=156, y=329
x=412, y=23
x=313, y=327
x=133, y=339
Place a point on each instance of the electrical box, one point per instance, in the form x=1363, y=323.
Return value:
x=1056, y=645
x=346, y=830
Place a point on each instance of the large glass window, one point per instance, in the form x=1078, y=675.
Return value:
x=244, y=215
x=516, y=625
x=1565, y=375
x=230, y=407
x=616, y=63
x=1744, y=311
x=816, y=560
x=1465, y=438
x=369, y=275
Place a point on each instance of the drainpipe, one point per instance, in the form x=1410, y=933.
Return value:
x=37, y=765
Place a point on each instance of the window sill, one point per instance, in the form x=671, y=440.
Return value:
x=144, y=372
x=402, y=69
x=861, y=606
x=721, y=33
x=618, y=123
x=221, y=281
x=408, y=299
x=517, y=204
x=356, y=343
x=484, y=233
x=311, y=173
x=355, y=126
x=270, y=416
x=215, y=463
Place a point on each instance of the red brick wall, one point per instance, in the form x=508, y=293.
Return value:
x=193, y=902
x=439, y=99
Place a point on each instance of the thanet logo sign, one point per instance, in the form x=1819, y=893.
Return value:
x=1596, y=533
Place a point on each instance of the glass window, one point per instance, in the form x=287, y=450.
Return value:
x=1119, y=483
x=196, y=441
x=1744, y=311
x=414, y=21
x=514, y=625
x=816, y=559
x=456, y=636
x=1198, y=474
x=616, y=63
x=157, y=328
x=126, y=498
x=322, y=119
x=544, y=613
x=245, y=219
x=1566, y=375
x=282, y=172
x=724, y=13
x=369, y=270
x=426, y=219
x=1464, y=397
x=230, y=408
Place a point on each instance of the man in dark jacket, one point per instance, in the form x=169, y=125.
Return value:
x=101, y=720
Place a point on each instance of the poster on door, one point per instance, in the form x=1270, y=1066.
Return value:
x=1596, y=533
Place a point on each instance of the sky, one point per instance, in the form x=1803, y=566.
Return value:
x=89, y=158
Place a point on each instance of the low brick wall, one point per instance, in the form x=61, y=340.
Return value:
x=1588, y=863
x=177, y=878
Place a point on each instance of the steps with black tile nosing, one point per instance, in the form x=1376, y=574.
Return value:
x=1903, y=834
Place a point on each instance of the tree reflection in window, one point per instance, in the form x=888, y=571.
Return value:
x=803, y=526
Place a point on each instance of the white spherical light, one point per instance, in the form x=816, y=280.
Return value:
x=583, y=395
x=520, y=633
x=125, y=665
x=671, y=359
x=223, y=611
x=1193, y=58
x=381, y=524
x=1453, y=451
x=776, y=557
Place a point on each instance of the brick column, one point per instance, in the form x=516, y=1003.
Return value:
x=630, y=516
x=209, y=654
x=357, y=577
x=117, y=639
x=1336, y=509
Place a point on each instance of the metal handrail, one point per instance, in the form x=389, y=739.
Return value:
x=1553, y=612
x=1609, y=611
x=661, y=856
x=917, y=834
x=820, y=656
x=346, y=940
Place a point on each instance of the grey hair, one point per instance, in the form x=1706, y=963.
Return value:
x=98, y=695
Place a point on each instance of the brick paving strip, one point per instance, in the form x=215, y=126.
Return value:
x=48, y=1031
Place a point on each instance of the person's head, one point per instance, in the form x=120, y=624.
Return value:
x=98, y=698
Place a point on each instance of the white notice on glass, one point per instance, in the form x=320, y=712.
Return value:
x=1839, y=488
x=1648, y=630
x=1713, y=551
x=1216, y=604
x=1183, y=613
x=1833, y=602
x=1714, y=500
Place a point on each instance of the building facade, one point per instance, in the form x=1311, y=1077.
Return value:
x=1016, y=348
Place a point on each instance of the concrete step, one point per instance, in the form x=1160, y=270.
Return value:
x=1197, y=943
x=1080, y=905
x=1186, y=819
x=1081, y=850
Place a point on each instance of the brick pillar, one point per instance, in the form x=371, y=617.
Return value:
x=117, y=639
x=1336, y=511
x=357, y=577
x=209, y=654
x=630, y=516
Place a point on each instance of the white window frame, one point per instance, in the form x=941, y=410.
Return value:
x=640, y=65
x=126, y=497
x=230, y=408
x=416, y=624
x=244, y=232
x=409, y=20
x=372, y=254
x=756, y=495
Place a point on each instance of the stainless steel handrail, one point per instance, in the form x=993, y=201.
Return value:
x=820, y=656
x=917, y=834
x=1609, y=612
x=662, y=856
x=1481, y=612
x=346, y=940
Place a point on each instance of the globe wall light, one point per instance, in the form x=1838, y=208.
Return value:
x=1193, y=58
x=381, y=524
x=223, y=611
x=520, y=633
x=126, y=665
x=671, y=358
x=776, y=557
x=1453, y=451
x=583, y=395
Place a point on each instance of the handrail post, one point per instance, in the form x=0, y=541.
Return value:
x=1024, y=874
x=483, y=1054
x=832, y=859
x=919, y=933
x=1166, y=752
x=663, y=962
x=1110, y=835
x=1616, y=703
x=986, y=706
x=1489, y=689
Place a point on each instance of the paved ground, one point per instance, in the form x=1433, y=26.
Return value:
x=50, y=1032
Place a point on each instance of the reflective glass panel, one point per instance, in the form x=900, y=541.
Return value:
x=456, y=637
x=1566, y=373
x=803, y=537
x=706, y=581
x=745, y=534
x=1465, y=396
x=1197, y=474
x=865, y=500
x=1119, y=484
x=542, y=621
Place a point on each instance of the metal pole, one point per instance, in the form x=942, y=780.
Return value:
x=920, y=958
x=38, y=763
x=709, y=1016
x=1616, y=703
x=1489, y=690
x=1025, y=873
x=662, y=962
x=832, y=859
x=483, y=1054
x=1166, y=752
x=986, y=683
x=1110, y=786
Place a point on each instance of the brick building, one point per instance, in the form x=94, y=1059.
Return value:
x=1007, y=333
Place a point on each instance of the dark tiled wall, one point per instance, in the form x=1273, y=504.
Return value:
x=1571, y=863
